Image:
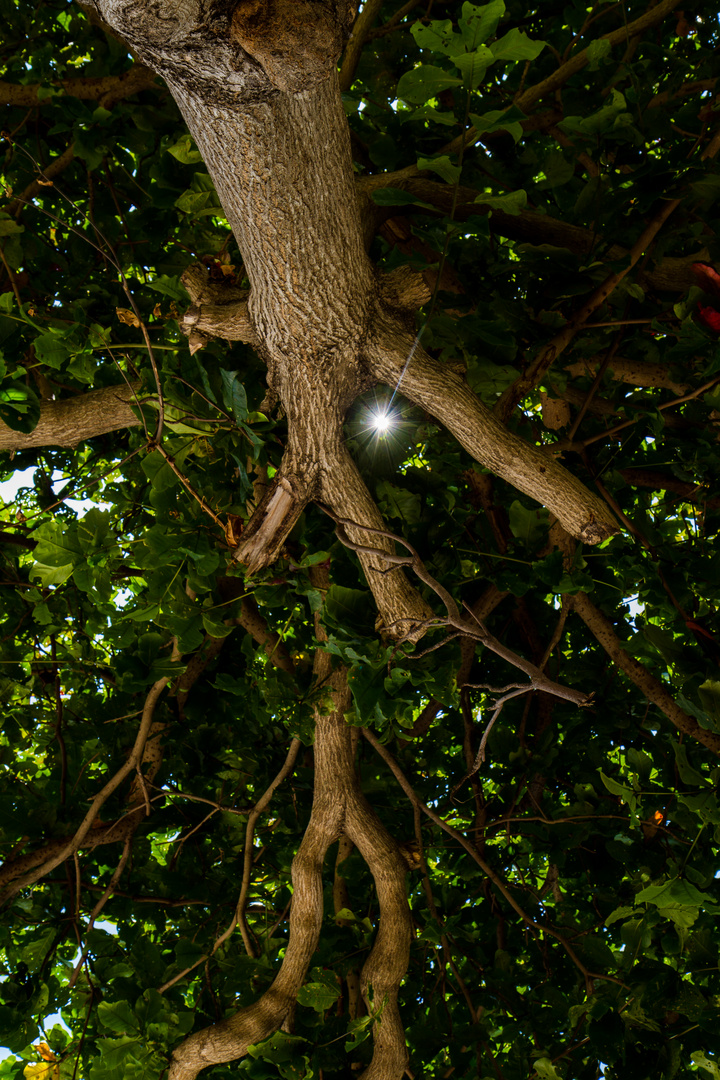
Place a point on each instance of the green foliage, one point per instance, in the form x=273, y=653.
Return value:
x=602, y=823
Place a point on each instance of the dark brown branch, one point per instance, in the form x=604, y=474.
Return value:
x=239, y=916
x=557, y=345
x=652, y=688
x=358, y=36
x=111, y=88
x=131, y=764
x=472, y=852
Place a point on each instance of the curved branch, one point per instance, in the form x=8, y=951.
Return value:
x=49, y=172
x=358, y=36
x=553, y=82
x=401, y=610
x=130, y=765
x=231, y=1038
x=497, y=881
x=601, y=628
x=253, y=816
x=550, y=352
x=669, y=274
x=339, y=807
x=385, y=968
x=445, y=396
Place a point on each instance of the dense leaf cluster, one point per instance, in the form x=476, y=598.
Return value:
x=599, y=956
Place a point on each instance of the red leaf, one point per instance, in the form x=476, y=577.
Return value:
x=709, y=317
x=707, y=278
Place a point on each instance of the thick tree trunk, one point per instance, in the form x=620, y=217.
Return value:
x=259, y=92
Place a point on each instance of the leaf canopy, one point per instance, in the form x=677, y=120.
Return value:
x=566, y=921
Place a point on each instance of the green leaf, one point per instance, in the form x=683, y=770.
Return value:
x=57, y=544
x=688, y=774
x=710, y=697
x=118, y=1016
x=516, y=45
x=391, y=196
x=675, y=891
x=318, y=996
x=234, y=396
x=123, y=1053
x=512, y=203
x=529, y=526
x=51, y=350
x=627, y=795
x=597, y=50
x=479, y=23
x=439, y=37
x=9, y=226
x=397, y=502
x=358, y=1030
x=509, y=120
x=184, y=150
x=620, y=913
x=19, y=406
x=425, y=82
x=599, y=122
x=442, y=166
x=545, y=1069
x=474, y=65
x=701, y=1061
x=345, y=606
x=51, y=575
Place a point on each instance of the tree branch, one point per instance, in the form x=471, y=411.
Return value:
x=445, y=396
x=472, y=852
x=550, y=352
x=111, y=88
x=70, y=421
x=652, y=688
x=130, y=765
x=358, y=36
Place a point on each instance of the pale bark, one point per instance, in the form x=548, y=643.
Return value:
x=445, y=396
x=339, y=808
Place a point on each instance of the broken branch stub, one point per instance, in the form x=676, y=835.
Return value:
x=273, y=521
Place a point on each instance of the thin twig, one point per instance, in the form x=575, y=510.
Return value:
x=102, y=796
x=485, y=867
x=239, y=916
x=127, y=848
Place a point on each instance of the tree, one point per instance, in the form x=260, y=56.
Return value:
x=368, y=721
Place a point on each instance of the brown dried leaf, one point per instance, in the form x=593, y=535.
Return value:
x=127, y=317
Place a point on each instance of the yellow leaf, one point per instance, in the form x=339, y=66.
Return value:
x=42, y=1071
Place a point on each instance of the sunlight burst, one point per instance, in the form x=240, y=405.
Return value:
x=382, y=421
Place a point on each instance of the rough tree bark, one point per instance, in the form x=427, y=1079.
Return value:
x=256, y=81
x=257, y=85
